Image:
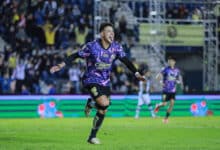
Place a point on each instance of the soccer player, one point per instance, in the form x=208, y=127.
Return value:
x=168, y=77
x=99, y=55
x=144, y=95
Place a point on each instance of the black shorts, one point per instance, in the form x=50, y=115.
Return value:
x=96, y=90
x=168, y=96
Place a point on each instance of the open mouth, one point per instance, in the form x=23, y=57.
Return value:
x=111, y=38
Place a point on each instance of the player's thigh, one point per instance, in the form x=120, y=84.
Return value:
x=171, y=96
x=140, y=99
x=100, y=94
x=146, y=98
x=172, y=101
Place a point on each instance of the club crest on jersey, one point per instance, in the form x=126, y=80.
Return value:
x=172, y=76
x=105, y=55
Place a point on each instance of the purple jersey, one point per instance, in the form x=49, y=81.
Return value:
x=99, y=61
x=170, y=78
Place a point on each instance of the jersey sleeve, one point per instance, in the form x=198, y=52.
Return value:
x=85, y=51
x=68, y=60
x=120, y=52
x=178, y=77
x=163, y=70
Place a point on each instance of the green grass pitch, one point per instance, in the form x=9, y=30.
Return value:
x=181, y=133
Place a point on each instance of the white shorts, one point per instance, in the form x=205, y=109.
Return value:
x=143, y=99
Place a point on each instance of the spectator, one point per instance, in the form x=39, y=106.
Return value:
x=74, y=77
x=81, y=33
x=6, y=84
x=24, y=90
x=19, y=76
x=12, y=62
x=49, y=32
x=197, y=15
x=52, y=89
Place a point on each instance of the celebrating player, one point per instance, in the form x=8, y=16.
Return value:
x=144, y=95
x=99, y=55
x=168, y=77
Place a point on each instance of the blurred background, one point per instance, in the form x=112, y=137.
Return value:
x=36, y=34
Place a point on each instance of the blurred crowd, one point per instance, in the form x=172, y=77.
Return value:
x=40, y=33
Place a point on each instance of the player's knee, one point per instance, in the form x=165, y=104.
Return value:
x=102, y=103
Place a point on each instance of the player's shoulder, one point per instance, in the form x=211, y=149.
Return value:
x=177, y=69
x=92, y=43
x=169, y=68
x=116, y=45
x=164, y=68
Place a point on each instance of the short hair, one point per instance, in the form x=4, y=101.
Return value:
x=103, y=25
x=171, y=57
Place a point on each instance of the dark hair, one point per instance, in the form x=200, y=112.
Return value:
x=103, y=25
x=171, y=57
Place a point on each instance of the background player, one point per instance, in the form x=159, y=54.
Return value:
x=168, y=77
x=144, y=95
x=99, y=55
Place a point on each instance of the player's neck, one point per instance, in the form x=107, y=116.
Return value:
x=105, y=44
x=172, y=67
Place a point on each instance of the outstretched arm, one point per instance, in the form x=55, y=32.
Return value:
x=131, y=66
x=67, y=61
x=159, y=77
x=57, y=67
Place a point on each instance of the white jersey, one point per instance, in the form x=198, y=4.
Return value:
x=19, y=72
x=144, y=90
x=144, y=87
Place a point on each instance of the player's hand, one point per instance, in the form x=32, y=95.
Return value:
x=139, y=76
x=54, y=69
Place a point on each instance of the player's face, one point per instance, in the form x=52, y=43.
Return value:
x=171, y=62
x=108, y=34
